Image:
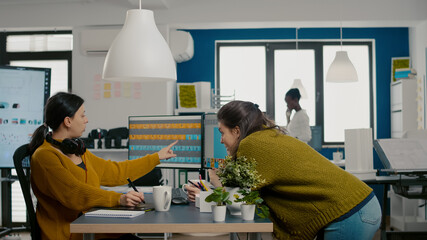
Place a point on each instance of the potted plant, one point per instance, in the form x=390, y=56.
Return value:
x=221, y=197
x=251, y=200
x=237, y=174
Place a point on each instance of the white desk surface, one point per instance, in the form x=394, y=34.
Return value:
x=179, y=219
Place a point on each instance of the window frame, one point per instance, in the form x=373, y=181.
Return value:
x=7, y=57
x=317, y=46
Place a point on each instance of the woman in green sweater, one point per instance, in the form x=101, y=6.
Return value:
x=305, y=192
x=66, y=178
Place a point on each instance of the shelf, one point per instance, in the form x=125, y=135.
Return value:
x=196, y=110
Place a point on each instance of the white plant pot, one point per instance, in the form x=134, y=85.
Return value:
x=248, y=211
x=234, y=208
x=218, y=213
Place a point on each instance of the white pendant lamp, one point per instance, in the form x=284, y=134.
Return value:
x=139, y=52
x=298, y=84
x=342, y=69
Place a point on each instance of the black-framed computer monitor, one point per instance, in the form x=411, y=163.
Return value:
x=23, y=94
x=149, y=134
x=214, y=150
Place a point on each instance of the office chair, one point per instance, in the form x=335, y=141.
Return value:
x=21, y=160
x=316, y=138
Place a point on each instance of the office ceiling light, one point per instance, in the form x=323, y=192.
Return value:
x=139, y=52
x=342, y=69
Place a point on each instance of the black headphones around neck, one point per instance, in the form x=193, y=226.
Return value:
x=68, y=146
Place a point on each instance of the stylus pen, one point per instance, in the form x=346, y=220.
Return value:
x=133, y=186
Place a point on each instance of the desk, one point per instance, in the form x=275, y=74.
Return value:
x=179, y=219
x=387, y=181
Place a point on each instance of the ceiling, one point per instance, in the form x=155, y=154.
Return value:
x=203, y=14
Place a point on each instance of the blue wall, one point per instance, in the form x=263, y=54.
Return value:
x=389, y=42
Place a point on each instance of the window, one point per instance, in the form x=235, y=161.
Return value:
x=243, y=66
x=347, y=105
x=288, y=66
x=40, y=49
x=333, y=106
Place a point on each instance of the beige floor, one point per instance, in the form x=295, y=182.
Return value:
x=265, y=236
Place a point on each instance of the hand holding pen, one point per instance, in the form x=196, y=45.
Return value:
x=132, y=198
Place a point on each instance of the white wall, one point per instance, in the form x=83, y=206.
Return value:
x=418, y=51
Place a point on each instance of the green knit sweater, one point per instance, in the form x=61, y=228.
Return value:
x=303, y=189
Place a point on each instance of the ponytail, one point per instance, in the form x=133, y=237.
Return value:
x=38, y=138
x=58, y=107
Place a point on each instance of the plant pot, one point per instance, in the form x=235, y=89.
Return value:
x=235, y=207
x=248, y=211
x=218, y=213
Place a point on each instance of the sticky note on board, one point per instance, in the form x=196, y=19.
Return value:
x=107, y=86
x=107, y=94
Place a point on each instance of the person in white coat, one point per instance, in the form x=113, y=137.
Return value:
x=299, y=126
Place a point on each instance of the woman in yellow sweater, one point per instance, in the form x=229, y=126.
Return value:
x=66, y=178
x=305, y=192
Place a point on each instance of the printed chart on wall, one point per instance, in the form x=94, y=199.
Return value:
x=149, y=134
x=23, y=92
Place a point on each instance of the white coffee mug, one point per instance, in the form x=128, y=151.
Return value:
x=337, y=156
x=162, y=196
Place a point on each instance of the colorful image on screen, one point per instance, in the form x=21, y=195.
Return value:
x=149, y=134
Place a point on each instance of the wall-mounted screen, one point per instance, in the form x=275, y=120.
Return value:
x=23, y=94
x=214, y=150
x=149, y=134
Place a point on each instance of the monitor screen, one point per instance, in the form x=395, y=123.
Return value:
x=23, y=94
x=149, y=134
x=214, y=150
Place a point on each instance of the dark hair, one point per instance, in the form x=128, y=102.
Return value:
x=293, y=93
x=247, y=116
x=57, y=108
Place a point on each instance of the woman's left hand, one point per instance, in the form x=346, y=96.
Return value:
x=166, y=153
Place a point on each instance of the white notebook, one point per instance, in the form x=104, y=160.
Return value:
x=114, y=213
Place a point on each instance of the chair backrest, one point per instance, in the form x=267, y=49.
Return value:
x=316, y=138
x=21, y=160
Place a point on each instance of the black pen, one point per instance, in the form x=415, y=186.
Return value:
x=134, y=188
x=193, y=184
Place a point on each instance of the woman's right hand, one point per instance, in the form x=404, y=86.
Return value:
x=191, y=192
x=131, y=199
x=166, y=153
x=288, y=114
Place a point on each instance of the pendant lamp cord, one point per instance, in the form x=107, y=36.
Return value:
x=139, y=4
x=341, y=34
x=341, y=23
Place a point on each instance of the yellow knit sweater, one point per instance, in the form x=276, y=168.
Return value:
x=303, y=189
x=64, y=190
